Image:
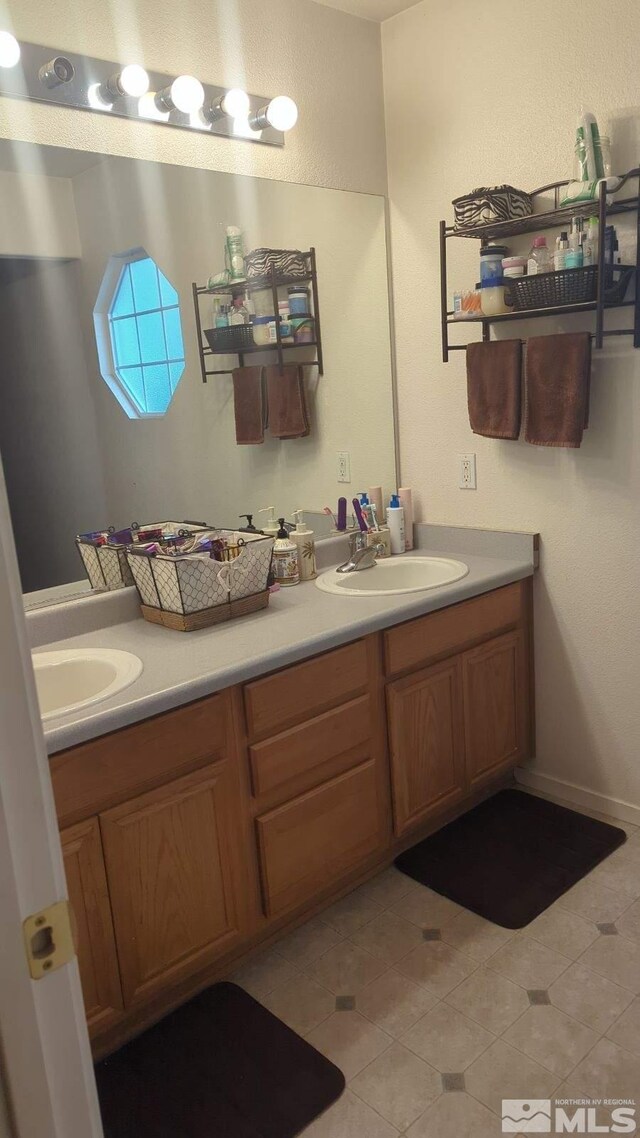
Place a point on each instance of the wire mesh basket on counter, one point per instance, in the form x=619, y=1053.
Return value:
x=103, y=552
x=193, y=590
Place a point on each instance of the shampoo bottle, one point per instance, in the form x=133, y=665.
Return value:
x=395, y=521
x=302, y=537
x=285, y=558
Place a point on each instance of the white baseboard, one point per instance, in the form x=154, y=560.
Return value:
x=557, y=788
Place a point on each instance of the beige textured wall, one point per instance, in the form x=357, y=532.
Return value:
x=328, y=61
x=478, y=98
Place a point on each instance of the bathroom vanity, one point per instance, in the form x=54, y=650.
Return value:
x=195, y=835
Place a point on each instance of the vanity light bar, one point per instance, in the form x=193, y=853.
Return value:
x=32, y=71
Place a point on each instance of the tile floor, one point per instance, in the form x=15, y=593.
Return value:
x=434, y=1014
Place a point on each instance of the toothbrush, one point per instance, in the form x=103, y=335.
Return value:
x=357, y=509
x=330, y=514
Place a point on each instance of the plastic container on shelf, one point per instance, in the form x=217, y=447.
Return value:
x=264, y=331
x=298, y=300
x=493, y=301
x=491, y=264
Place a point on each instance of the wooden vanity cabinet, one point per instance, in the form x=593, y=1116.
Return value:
x=192, y=837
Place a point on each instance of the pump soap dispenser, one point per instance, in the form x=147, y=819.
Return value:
x=285, y=558
x=270, y=527
x=303, y=538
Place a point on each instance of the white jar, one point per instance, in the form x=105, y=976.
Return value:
x=264, y=331
x=492, y=301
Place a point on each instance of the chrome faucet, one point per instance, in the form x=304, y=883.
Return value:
x=361, y=556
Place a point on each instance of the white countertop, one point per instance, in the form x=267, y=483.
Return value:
x=300, y=622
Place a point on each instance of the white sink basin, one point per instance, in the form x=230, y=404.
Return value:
x=394, y=575
x=68, y=680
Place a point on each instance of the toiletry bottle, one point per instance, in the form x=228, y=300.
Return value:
x=375, y=497
x=234, y=253
x=249, y=528
x=406, y=501
x=270, y=527
x=302, y=537
x=560, y=255
x=590, y=247
x=395, y=521
x=538, y=260
x=285, y=558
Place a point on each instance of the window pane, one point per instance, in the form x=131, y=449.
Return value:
x=123, y=300
x=175, y=372
x=145, y=284
x=133, y=382
x=151, y=335
x=156, y=381
x=175, y=347
x=167, y=292
x=124, y=337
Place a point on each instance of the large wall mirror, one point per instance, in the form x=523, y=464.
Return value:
x=81, y=230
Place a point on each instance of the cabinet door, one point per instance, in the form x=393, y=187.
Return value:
x=89, y=897
x=426, y=743
x=310, y=844
x=495, y=706
x=176, y=871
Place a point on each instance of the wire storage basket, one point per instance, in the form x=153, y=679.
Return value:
x=103, y=552
x=227, y=577
x=567, y=286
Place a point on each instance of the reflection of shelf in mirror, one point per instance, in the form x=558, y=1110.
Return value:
x=257, y=348
x=258, y=283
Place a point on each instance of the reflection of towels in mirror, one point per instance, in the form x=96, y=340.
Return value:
x=287, y=402
x=249, y=405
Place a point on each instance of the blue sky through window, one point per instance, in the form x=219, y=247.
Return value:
x=146, y=336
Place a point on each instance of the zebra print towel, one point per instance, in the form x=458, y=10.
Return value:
x=495, y=203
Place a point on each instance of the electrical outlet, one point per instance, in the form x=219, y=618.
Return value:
x=344, y=466
x=467, y=472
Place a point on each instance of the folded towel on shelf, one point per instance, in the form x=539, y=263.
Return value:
x=558, y=373
x=249, y=405
x=494, y=388
x=288, y=413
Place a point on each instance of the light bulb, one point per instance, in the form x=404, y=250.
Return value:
x=282, y=113
x=187, y=94
x=133, y=80
x=236, y=103
x=9, y=50
x=151, y=107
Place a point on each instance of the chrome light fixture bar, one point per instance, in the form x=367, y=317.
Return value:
x=42, y=74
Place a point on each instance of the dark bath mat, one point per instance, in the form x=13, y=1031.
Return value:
x=510, y=857
x=221, y=1066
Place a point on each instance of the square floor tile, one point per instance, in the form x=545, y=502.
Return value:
x=394, y=1002
x=620, y=872
x=446, y=1039
x=345, y=969
x=350, y=1117
x=503, y=1072
x=388, y=937
x=398, y=1085
x=594, y=901
x=425, y=908
x=608, y=1071
x=552, y=1038
x=307, y=943
x=437, y=966
x=588, y=997
x=350, y=1041
x=348, y=914
x=617, y=959
x=264, y=973
x=563, y=931
x=629, y=923
x=300, y=1003
x=475, y=936
x=626, y=1031
x=491, y=999
x=529, y=963
x=388, y=887
x=455, y=1116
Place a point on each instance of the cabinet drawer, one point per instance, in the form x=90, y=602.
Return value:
x=105, y=771
x=311, y=843
x=303, y=756
x=449, y=630
x=300, y=692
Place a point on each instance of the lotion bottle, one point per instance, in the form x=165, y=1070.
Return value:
x=395, y=521
x=302, y=537
x=285, y=558
x=270, y=527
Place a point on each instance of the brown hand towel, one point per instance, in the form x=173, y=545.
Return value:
x=249, y=405
x=494, y=388
x=557, y=389
x=288, y=413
